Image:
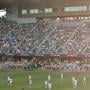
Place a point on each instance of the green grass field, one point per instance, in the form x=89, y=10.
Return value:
x=38, y=77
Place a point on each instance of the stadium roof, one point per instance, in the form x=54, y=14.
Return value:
x=7, y=3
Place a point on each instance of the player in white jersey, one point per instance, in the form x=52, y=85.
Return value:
x=30, y=77
x=73, y=78
x=46, y=83
x=8, y=79
x=49, y=78
x=75, y=83
x=49, y=86
x=84, y=80
x=30, y=80
x=61, y=77
x=11, y=82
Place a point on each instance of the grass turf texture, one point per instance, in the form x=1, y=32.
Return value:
x=38, y=77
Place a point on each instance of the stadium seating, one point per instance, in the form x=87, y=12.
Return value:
x=46, y=36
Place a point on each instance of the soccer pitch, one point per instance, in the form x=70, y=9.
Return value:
x=20, y=78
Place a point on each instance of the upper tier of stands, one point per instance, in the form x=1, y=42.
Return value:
x=46, y=36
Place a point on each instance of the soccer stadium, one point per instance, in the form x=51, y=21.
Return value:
x=44, y=44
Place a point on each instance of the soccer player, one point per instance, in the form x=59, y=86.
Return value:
x=49, y=77
x=61, y=77
x=49, y=86
x=46, y=83
x=73, y=78
x=30, y=80
x=8, y=79
x=11, y=82
x=84, y=80
x=30, y=77
x=75, y=83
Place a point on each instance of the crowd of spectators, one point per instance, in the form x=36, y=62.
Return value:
x=15, y=38
x=45, y=65
x=45, y=36
x=67, y=37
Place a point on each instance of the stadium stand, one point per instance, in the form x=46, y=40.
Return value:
x=46, y=36
x=60, y=31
